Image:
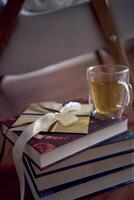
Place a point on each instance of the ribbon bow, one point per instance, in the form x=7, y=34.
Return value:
x=65, y=115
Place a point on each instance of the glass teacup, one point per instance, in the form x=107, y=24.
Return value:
x=109, y=90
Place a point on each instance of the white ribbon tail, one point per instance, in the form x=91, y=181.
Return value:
x=42, y=124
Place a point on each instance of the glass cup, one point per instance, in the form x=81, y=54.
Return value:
x=109, y=90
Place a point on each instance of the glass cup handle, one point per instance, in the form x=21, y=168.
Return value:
x=129, y=90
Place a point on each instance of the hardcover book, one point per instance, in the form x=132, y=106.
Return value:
x=55, y=146
x=117, y=145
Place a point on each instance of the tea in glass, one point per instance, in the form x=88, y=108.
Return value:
x=109, y=90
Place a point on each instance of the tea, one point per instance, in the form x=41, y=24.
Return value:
x=107, y=97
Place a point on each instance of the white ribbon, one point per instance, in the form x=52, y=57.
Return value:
x=66, y=117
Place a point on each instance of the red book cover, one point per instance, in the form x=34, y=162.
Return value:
x=55, y=146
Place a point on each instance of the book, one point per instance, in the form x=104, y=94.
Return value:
x=80, y=189
x=78, y=169
x=117, y=145
x=55, y=146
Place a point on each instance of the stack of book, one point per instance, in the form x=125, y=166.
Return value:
x=72, y=166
